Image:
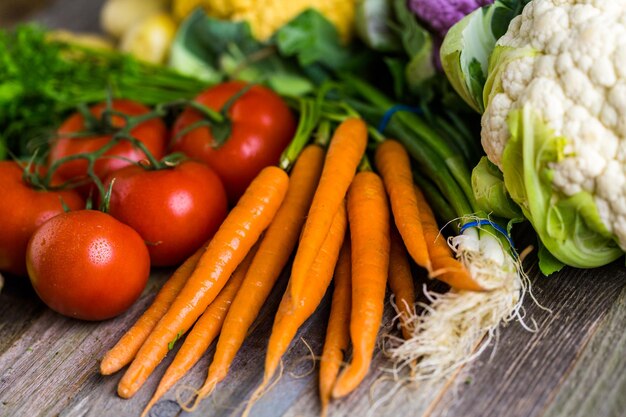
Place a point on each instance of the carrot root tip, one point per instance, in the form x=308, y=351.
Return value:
x=193, y=399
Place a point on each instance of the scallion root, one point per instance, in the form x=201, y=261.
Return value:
x=454, y=328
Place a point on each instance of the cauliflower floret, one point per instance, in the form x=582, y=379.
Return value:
x=576, y=82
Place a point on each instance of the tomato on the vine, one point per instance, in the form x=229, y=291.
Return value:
x=73, y=138
x=259, y=126
x=25, y=208
x=175, y=209
x=86, y=264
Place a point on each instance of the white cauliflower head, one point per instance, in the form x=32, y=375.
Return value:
x=566, y=61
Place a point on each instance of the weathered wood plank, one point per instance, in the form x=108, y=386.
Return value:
x=49, y=361
x=596, y=385
x=19, y=308
x=528, y=367
x=522, y=375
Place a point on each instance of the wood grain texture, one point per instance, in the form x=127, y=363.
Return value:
x=527, y=370
x=50, y=366
x=596, y=384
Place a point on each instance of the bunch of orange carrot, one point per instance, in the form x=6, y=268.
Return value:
x=347, y=222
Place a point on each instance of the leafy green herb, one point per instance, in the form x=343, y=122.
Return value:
x=42, y=80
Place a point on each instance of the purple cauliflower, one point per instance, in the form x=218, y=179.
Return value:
x=441, y=15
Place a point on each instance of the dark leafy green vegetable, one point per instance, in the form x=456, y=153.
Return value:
x=303, y=53
x=418, y=44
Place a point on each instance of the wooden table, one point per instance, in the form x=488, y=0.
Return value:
x=573, y=365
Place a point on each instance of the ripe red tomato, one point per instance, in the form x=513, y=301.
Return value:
x=175, y=210
x=24, y=209
x=261, y=127
x=152, y=133
x=87, y=265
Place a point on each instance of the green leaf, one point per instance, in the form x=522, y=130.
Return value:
x=296, y=58
x=417, y=43
x=396, y=68
x=372, y=25
x=204, y=46
x=569, y=226
x=490, y=192
x=504, y=11
x=548, y=264
x=311, y=38
x=467, y=48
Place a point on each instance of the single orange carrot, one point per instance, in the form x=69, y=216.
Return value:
x=401, y=282
x=446, y=267
x=232, y=242
x=292, y=313
x=203, y=332
x=276, y=247
x=345, y=151
x=394, y=165
x=368, y=215
x=126, y=348
x=338, y=330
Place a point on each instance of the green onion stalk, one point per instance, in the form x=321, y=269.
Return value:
x=456, y=326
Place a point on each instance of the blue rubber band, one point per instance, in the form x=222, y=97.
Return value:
x=393, y=110
x=486, y=222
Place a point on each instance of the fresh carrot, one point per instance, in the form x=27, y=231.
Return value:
x=446, y=267
x=394, y=165
x=232, y=242
x=203, y=332
x=345, y=151
x=276, y=247
x=338, y=330
x=368, y=215
x=401, y=282
x=292, y=313
x=126, y=348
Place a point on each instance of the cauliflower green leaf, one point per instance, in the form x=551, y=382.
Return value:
x=490, y=192
x=468, y=46
x=570, y=228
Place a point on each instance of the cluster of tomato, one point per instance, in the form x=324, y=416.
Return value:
x=92, y=264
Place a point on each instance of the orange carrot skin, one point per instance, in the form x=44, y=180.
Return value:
x=232, y=242
x=446, y=267
x=368, y=215
x=338, y=330
x=345, y=151
x=401, y=282
x=203, y=332
x=292, y=313
x=394, y=165
x=126, y=348
x=274, y=252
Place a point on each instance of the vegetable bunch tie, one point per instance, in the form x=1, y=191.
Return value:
x=455, y=327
